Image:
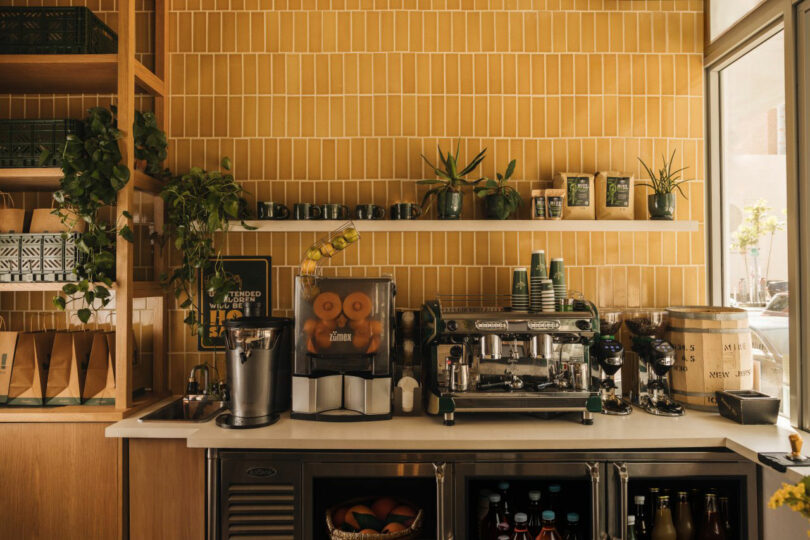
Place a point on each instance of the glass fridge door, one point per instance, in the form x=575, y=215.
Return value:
x=342, y=483
x=694, y=473
x=565, y=487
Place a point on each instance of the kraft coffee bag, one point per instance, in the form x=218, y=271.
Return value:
x=99, y=382
x=69, y=360
x=8, y=346
x=31, y=363
x=579, y=197
x=614, y=195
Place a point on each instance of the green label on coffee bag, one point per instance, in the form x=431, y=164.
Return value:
x=555, y=206
x=579, y=192
x=618, y=192
x=539, y=207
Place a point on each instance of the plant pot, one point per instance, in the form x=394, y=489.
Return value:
x=450, y=204
x=661, y=206
x=498, y=207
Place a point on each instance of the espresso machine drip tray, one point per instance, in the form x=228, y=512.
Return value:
x=230, y=421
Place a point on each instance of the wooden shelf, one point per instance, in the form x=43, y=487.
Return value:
x=76, y=413
x=30, y=179
x=37, y=286
x=470, y=225
x=146, y=183
x=70, y=73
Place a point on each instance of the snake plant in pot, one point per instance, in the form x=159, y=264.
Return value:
x=451, y=180
x=661, y=203
x=501, y=200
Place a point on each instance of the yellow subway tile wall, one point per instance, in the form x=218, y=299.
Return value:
x=334, y=100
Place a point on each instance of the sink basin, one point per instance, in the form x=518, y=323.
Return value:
x=186, y=410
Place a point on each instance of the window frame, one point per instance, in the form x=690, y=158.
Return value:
x=759, y=25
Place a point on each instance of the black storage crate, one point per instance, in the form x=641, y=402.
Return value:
x=22, y=141
x=54, y=30
x=38, y=257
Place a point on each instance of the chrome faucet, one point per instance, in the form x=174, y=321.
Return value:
x=193, y=386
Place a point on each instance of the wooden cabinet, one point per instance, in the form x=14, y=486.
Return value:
x=60, y=481
x=166, y=490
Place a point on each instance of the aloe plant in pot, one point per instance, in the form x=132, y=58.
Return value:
x=501, y=200
x=448, y=187
x=661, y=203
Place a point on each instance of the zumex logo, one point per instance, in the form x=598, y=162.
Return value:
x=336, y=336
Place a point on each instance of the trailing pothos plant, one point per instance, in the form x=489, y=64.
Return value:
x=92, y=177
x=150, y=144
x=199, y=204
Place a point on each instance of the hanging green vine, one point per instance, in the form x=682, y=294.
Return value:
x=150, y=144
x=93, y=176
x=199, y=204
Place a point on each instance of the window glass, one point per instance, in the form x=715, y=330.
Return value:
x=754, y=199
x=724, y=13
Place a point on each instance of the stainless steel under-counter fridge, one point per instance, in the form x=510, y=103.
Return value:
x=282, y=495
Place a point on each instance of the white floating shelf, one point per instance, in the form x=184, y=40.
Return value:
x=469, y=225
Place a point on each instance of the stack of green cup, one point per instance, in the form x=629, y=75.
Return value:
x=520, y=290
x=546, y=296
x=537, y=274
x=557, y=271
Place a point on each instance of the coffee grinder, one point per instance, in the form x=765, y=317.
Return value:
x=656, y=358
x=609, y=355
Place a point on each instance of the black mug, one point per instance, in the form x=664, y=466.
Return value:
x=307, y=211
x=369, y=211
x=405, y=210
x=271, y=210
x=334, y=211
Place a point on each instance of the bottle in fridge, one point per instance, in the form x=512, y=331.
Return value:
x=521, y=531
x=572, y=528
x=631, y=528
x=664, y=528
x=553, y=498
x=724, y=514
x=684, y=526
x=494, y=524
x=549, y=529
x=535, y=522
x=506, y=501
x=642, y=527
x=711, y=527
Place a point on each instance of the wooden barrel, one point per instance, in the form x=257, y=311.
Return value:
x=712, y=352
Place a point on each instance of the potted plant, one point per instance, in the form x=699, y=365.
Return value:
x=501, y=200
x=92, y=178
x=661, y=203
x=199, y=204
x=448, y=187
x=757, y=223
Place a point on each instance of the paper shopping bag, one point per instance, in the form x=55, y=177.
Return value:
x=69, y=360
x=99, y=382
x=31, y=361
x=8, y=345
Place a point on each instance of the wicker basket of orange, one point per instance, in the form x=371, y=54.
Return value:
x=380, y=518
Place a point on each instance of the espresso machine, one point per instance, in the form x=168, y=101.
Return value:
x=608, y=355
x=482, y=357
x=343, y=342
x=656, y=357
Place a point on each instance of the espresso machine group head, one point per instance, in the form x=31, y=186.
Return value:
x=482, y=357
x=656, y=358
x=609, y=358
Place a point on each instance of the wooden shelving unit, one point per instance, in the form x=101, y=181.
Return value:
x=469, y=225
x=123, y=75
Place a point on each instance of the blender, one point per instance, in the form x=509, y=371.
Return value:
x=656, y=358
x=609, y=354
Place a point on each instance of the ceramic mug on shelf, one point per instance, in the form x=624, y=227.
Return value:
x=307, y=211
x=369, y=211
x=271, y=210
x=405, y=210
x=334, y=211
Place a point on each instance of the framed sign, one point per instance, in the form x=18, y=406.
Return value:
x=254, y=274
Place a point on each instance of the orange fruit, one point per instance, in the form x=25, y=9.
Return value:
x=309, y=326
x=369, y=531
x=383, y=506
x=376, y=327
x=403, y=514
x=393, y=527
x=357, y=509
x=339, y=516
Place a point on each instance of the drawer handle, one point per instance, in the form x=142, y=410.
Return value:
x=261, y=472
